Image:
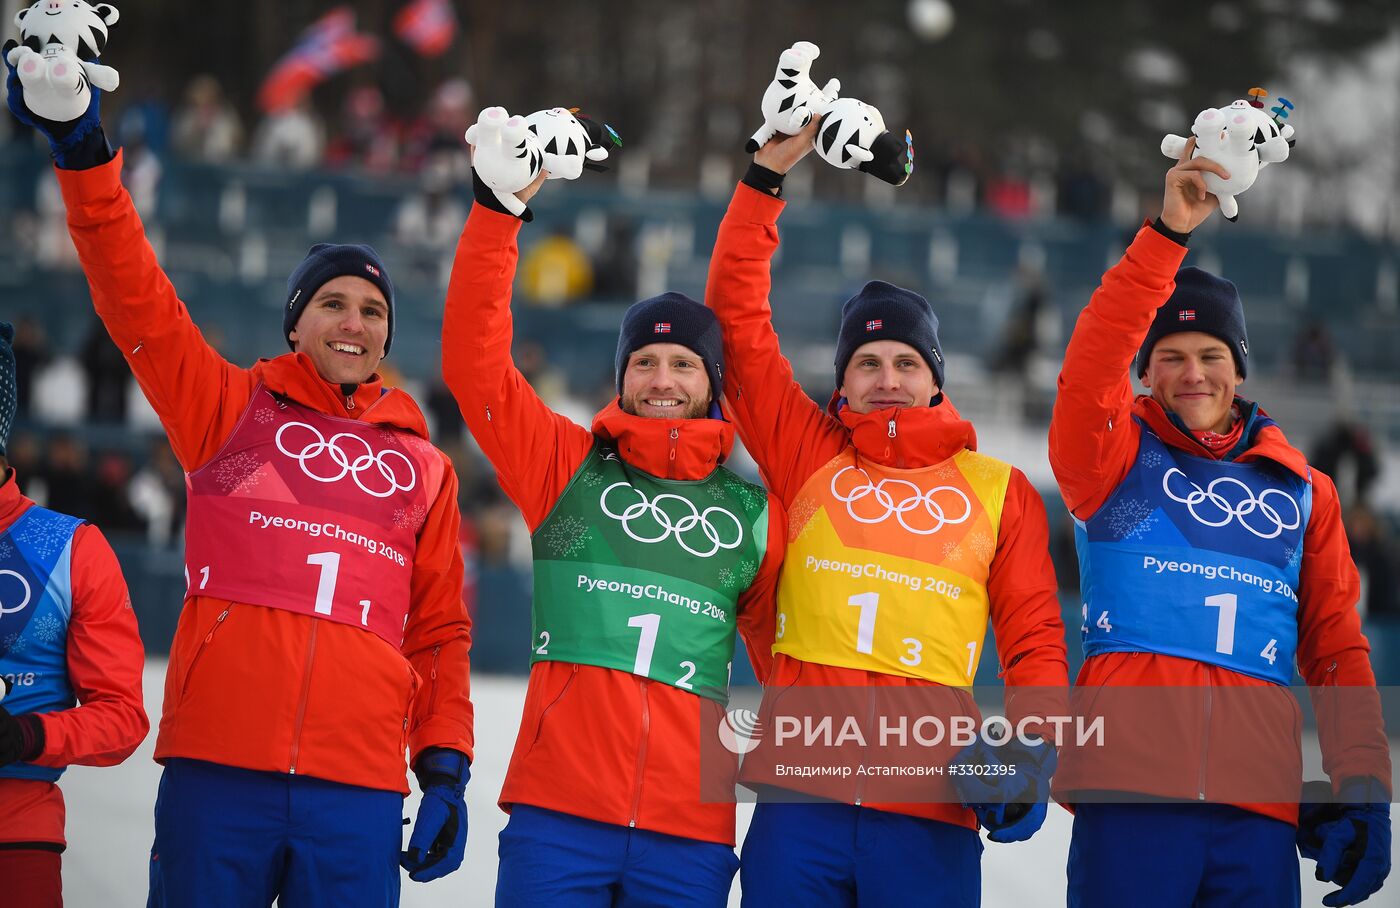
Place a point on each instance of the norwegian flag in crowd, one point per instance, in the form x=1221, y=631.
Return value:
x=875, y=324
x=662, y=328
x=1186, y=315
x=328, y=46
x=427, y=26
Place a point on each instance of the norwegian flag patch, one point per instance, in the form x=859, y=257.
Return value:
x=661, y=328
x=1186, y=315
x=371, y=269
x=875, y=324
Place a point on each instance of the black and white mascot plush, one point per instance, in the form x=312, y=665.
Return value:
x=55, y=61
x=853, y=136
x=792, y=99
x=1243, y=139
x=571, y=141
x=506, y=155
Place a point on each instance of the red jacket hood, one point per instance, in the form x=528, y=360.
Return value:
x=294, y=375
x=906, y=438
x=666, y=448
x=1268, y=443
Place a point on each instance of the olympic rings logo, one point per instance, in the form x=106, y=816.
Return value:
x=28, y=594
x=379, y=461
x=915, y=498
x=695, y=519
x=1246, y=506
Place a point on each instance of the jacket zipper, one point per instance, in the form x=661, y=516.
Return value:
x=869, y=721
x=349, y=404
x=1205, y=742
x=305, y=693
x=671, y=455
x=413, y=695
x=199, y=652
x=641, y=752
x=432, y=677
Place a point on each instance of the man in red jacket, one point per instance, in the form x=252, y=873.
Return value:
x=70, y=669
x=323, y=630
x=903, y=541
x=649, y=554
x=1212, y=556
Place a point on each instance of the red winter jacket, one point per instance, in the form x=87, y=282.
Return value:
x=594, y=742
x=1094, y=442
x=105, y=658
x=265, y=688
x=791, y=438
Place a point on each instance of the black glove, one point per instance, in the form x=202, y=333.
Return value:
x=21, y=737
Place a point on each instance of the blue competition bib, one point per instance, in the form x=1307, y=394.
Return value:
x=1197, y=558
x=36, y=602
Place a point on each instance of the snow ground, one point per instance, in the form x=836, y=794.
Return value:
x=110, y=826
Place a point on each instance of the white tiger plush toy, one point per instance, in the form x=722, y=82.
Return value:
x=853, y=136
x=506, y=155
x=792, y=99
x=570, y=143
x=55, y=61
x=1243, y=139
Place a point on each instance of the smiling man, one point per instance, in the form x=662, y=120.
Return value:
x=1213, y=558
x=885, y=479
x=323, y=630
x=648, y=556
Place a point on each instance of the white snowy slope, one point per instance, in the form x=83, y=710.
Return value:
x=110, y=827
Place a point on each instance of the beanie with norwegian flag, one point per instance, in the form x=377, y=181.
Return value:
x=1201, y=302
x=673, y=318
x=882, y=311
x=325, y=262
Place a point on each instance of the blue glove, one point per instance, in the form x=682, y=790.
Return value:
x=1349, y=837
x=439, y=837
x=64, y=138
x=1007, y=786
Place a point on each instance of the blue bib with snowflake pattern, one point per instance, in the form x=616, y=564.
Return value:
x=1197, y=558
x=36, y=601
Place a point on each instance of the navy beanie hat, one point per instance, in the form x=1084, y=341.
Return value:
x=882, y=311
x=673, y=318
x=327, y=261
x=9, y=396
x=1201, y=302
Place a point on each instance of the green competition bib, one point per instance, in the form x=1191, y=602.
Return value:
x=644, y=575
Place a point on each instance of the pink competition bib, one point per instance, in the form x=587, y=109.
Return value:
x=313, y=514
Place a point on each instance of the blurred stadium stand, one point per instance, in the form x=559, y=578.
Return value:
x=228, y=236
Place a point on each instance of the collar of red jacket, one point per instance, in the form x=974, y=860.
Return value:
x=293, y=375
x=909, y=438
x=12, y=501
x=1268, y=442
x=666, y=448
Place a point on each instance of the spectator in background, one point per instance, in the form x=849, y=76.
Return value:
x=368, y=137
x=555, y=271
x=158, y=495
x=31, y=350
x=429, y=221
x=207, y=127
x=141, y=166
x=111, y=504
x=1020, y=339
x=1347, y=454
x=1374, y=551
x=107, y=377
x=67, y=483
x=27, y=458
x=1314, y=354
x=291, y=139
x=439, y=131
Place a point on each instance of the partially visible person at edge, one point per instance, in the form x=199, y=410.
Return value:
x=648, y=553
x=70, y=669
x=887, y=474
x=1198, y=476
x=323, y=630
